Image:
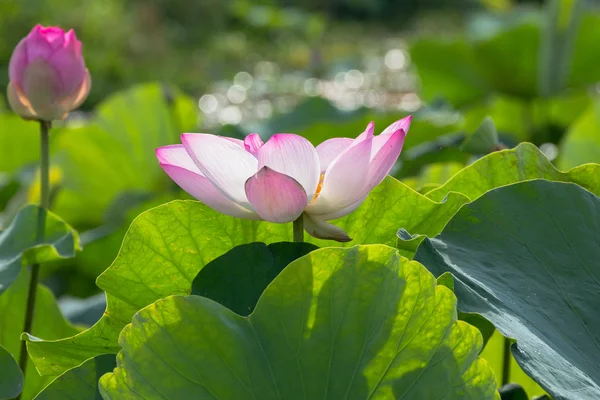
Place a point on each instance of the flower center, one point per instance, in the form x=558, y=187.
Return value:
x=319, y=187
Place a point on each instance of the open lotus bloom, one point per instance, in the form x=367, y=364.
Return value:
x=47, y=75
x=286, y=177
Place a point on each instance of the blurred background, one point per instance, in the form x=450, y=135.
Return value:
x=477, y=75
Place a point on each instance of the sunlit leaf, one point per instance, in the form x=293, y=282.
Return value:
x=339, y=323
x=166, y=247
x=502, y=168
x=81, y=382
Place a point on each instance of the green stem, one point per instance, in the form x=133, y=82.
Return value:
x=299, y=230
x=506, y=362
x=528, y=119
x=41, y=226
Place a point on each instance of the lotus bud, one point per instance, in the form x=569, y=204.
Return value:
x=47, y=74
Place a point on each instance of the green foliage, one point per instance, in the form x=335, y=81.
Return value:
x=525, y=54
x=20, y=137
x=506, y=167
x=237, y=278
x=11, y=379
x=81, y=382
x=357, y=323
x=581, y=143
x=166, y=247
x=156, y=261
x=484, y=140
x=447, y=69
x=517, y=250
x=493, y=353
x=113, y=154
x=525, y=282
x=48, y=323
x=20, y=246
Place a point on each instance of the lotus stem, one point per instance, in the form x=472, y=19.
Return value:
x=506, y=362
x=41, y=226
x=299, y=229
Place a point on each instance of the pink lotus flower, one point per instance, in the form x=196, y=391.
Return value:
x=286, y=177
x=47, y=75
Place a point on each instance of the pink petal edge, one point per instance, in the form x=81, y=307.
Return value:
x=224, y=162
x=202, y=189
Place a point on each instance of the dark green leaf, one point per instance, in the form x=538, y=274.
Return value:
x=11, y=377
x=237, y=278
x=525, y=256
x=512, y=391
x=20, y=246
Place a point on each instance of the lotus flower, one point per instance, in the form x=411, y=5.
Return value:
x=286, y=177
x=47, y=75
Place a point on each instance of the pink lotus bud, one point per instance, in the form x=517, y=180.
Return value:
x=47, y=75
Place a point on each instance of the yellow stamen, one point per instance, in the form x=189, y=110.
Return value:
x=319, y=187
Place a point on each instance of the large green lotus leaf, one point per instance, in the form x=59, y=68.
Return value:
x=238, y=278
x=338, y=323
x=19, y=142
x=19, y=245
x=448, y=69
x=525, y=256
x=166, y=247
x=81, y=382
x=581, y=143
x=502, y=168
x=11, y=378
x=114, y=153
x=48, y=323
x=102, y=243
